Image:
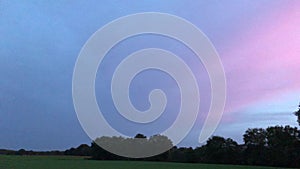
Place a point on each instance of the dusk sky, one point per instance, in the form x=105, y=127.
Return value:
x=258, y=43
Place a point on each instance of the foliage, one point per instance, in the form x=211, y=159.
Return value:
x=274, y=146
x=297, y=113
x=136, y=145
x=82, y=150
x=222, y=151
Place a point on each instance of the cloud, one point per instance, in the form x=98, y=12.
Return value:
x=264, y=59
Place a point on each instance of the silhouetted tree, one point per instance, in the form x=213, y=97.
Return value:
x=140, y=136
x=158, y=143
x=135, y=147
x=99, y=153
x=297, y=113
x=275, y=146
x=178, y=154
x=255, y=137
x=21, y=152
x=200, y=154
x=82, y=150
x=283, y=146
x=221, y=150
x=255, y=141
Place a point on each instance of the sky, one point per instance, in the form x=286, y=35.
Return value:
x=258, y=43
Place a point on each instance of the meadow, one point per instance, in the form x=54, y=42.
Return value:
x=70, y=162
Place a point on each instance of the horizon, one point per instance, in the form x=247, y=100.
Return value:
x=257, y=42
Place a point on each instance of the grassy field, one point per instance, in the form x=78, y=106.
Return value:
x=63, y=162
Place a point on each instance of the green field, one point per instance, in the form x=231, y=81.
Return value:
x=63, y=162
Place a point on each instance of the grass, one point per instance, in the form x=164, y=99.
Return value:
x=67, y=162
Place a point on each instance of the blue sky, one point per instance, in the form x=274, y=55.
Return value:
x=257, y=42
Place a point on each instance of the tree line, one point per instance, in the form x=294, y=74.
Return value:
x=274, y=146
x=277, y=146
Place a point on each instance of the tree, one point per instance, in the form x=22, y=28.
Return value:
x=99, y=153
x=274, y=146
x=283, y=146
x=297, y=113
x=158, y=143
x=82, y=150
x=255, y=137
x=255, y=142
x=221, y=150
x=136, y=147
x=178, y=155
x=140, y=136
x=21, y=152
